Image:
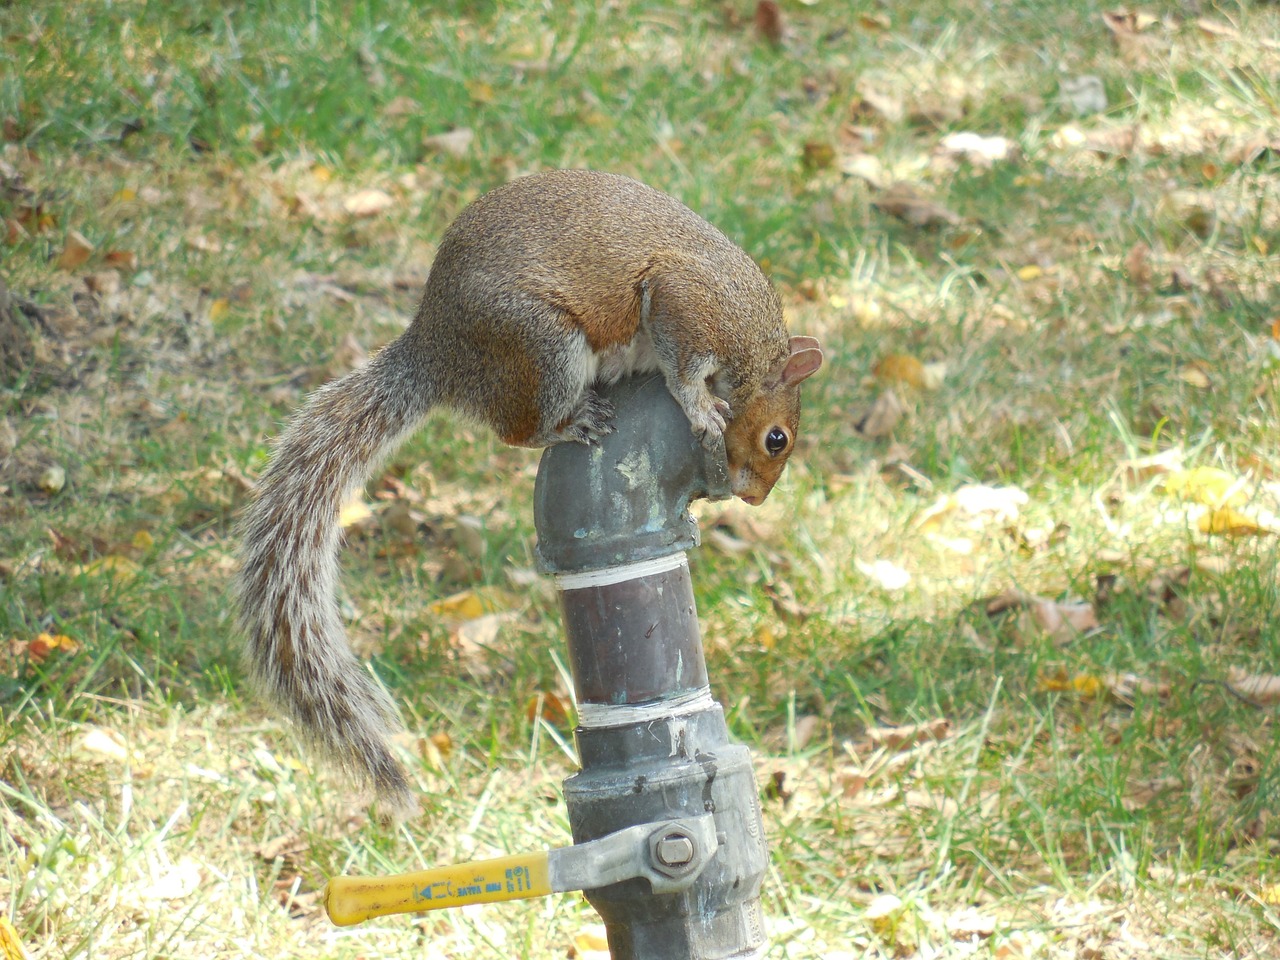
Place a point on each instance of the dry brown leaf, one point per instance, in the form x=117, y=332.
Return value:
x=1125, y=686
x=547, y=705
x=886, y=574
x=769, y=23
x=368, y=203
x=979, y=150
x=909, y=734
x=970, y=923
x=783, y=597
x=76, y=250
x=1144, y=468
x=1063, y=621
x=178, y=882
x=865, y=167
x=401, y=106
x=726, y=543
x=1216, y=30
x=742, y=521
x=1137, y=265
x=980, y=504
x=121, y=259
x=904, y=201
x=818, y=155
x=473, y=639
x=881, y=417
x=805, y=729
x=1127, y=21
x=1259, y=688
x=1196, y=374
x=876, y=105
x=1085, y=94
x=349, y=354
x=455, y=143
x=1195, y=210
x=98, y=744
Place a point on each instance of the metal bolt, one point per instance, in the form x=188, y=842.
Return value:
x=674, y=850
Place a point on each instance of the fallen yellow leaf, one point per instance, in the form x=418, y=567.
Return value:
x=1207, y=485
x=591, y=938
x=46, y=643
x=10, y=945
x=1270, y=895
x=480, y=91
x=356, y=511
x=1087, y=686
x=112, y=563
x=460, y=606
x=218, y=309
x=1228, y=522
x=901, y=368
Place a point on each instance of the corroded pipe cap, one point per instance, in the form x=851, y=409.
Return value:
x=626, y=499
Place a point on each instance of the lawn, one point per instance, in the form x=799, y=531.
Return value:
x=1001, y=641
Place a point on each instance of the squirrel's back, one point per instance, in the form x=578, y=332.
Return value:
x=585, y=241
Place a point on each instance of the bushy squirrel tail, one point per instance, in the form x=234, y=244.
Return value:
x=297, y=650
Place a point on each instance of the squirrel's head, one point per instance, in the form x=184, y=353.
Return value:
x=759, y=439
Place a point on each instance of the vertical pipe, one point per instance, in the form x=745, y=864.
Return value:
x=613, y=528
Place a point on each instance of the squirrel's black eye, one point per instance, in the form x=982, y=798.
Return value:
x=775, y=441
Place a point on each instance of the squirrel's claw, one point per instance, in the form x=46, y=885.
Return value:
x=709, y=420
x=590, y=422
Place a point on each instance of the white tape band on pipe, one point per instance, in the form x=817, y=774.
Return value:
x=598, y=716
x=605, y=576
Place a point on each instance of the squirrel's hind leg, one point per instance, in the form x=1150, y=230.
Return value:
x=563, y=404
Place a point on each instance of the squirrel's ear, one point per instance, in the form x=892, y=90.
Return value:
x=804, y=343
x=805, y=359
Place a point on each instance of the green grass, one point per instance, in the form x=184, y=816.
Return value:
x=152, y=808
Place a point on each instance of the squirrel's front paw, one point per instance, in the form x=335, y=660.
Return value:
x=591, y=420
x=709, y=419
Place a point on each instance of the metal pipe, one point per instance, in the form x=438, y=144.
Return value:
x=613, y=527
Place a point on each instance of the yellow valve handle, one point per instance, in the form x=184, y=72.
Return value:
x=350, y=900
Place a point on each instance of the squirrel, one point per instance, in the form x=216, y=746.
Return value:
x=540, y=289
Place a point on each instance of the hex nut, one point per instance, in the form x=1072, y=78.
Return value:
x=673, y=850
